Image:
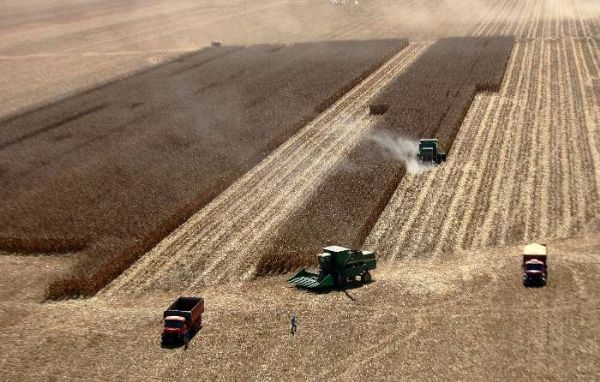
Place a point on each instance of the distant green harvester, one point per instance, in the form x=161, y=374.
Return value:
x=429, y=151
x=337, y=266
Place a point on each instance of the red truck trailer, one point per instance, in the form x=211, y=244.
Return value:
x=535, y=265
x=181, y=319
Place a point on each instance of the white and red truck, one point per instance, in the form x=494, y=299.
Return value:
x=182, y=319
x=535, y=265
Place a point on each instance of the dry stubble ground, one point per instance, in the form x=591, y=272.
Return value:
x=465, y=316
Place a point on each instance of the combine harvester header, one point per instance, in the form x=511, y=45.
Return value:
x=337, y=266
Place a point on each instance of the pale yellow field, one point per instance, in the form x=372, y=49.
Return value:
x=447, y=302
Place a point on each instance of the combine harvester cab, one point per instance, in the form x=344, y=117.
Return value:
x=337, y=265
x=429, y=151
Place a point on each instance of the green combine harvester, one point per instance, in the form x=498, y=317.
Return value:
x=337, y=266
x=429, y=151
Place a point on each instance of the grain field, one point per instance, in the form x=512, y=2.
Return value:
x=223, y=241
x=525, y=165
x=447, y=301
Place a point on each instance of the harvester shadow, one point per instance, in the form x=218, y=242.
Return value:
x=350, y=286
x=534, y=286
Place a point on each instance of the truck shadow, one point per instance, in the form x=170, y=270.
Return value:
x=182, y=344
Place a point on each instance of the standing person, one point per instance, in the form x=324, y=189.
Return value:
x=186, y=340
x=294, y=323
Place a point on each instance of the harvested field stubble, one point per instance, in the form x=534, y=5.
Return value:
x=533, y=173
x=429, y=100
x=125, y=164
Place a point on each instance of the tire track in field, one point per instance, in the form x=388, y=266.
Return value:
x=565, y=169
x=490, y=19
x=222, y=230
x=570, y=77
x=555, y=178
x=589, y=160
x=582, y=161
x=510, y=149
x=593, y=104
x=383, y=347
x=526, y=194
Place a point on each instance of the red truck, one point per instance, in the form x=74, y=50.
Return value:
x=182, y=319
x=535, y=265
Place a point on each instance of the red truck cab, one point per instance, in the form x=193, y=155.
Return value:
x=182, y=319
x=535, y=265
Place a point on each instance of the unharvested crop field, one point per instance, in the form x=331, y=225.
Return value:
x=447, y=302
x=120, y=167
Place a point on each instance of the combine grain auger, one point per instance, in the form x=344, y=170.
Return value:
x=429, y=151
x=337, y=266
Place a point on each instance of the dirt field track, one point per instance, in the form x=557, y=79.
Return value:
x=447, y=302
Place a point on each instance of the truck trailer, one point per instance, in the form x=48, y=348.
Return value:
x=182, y=319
